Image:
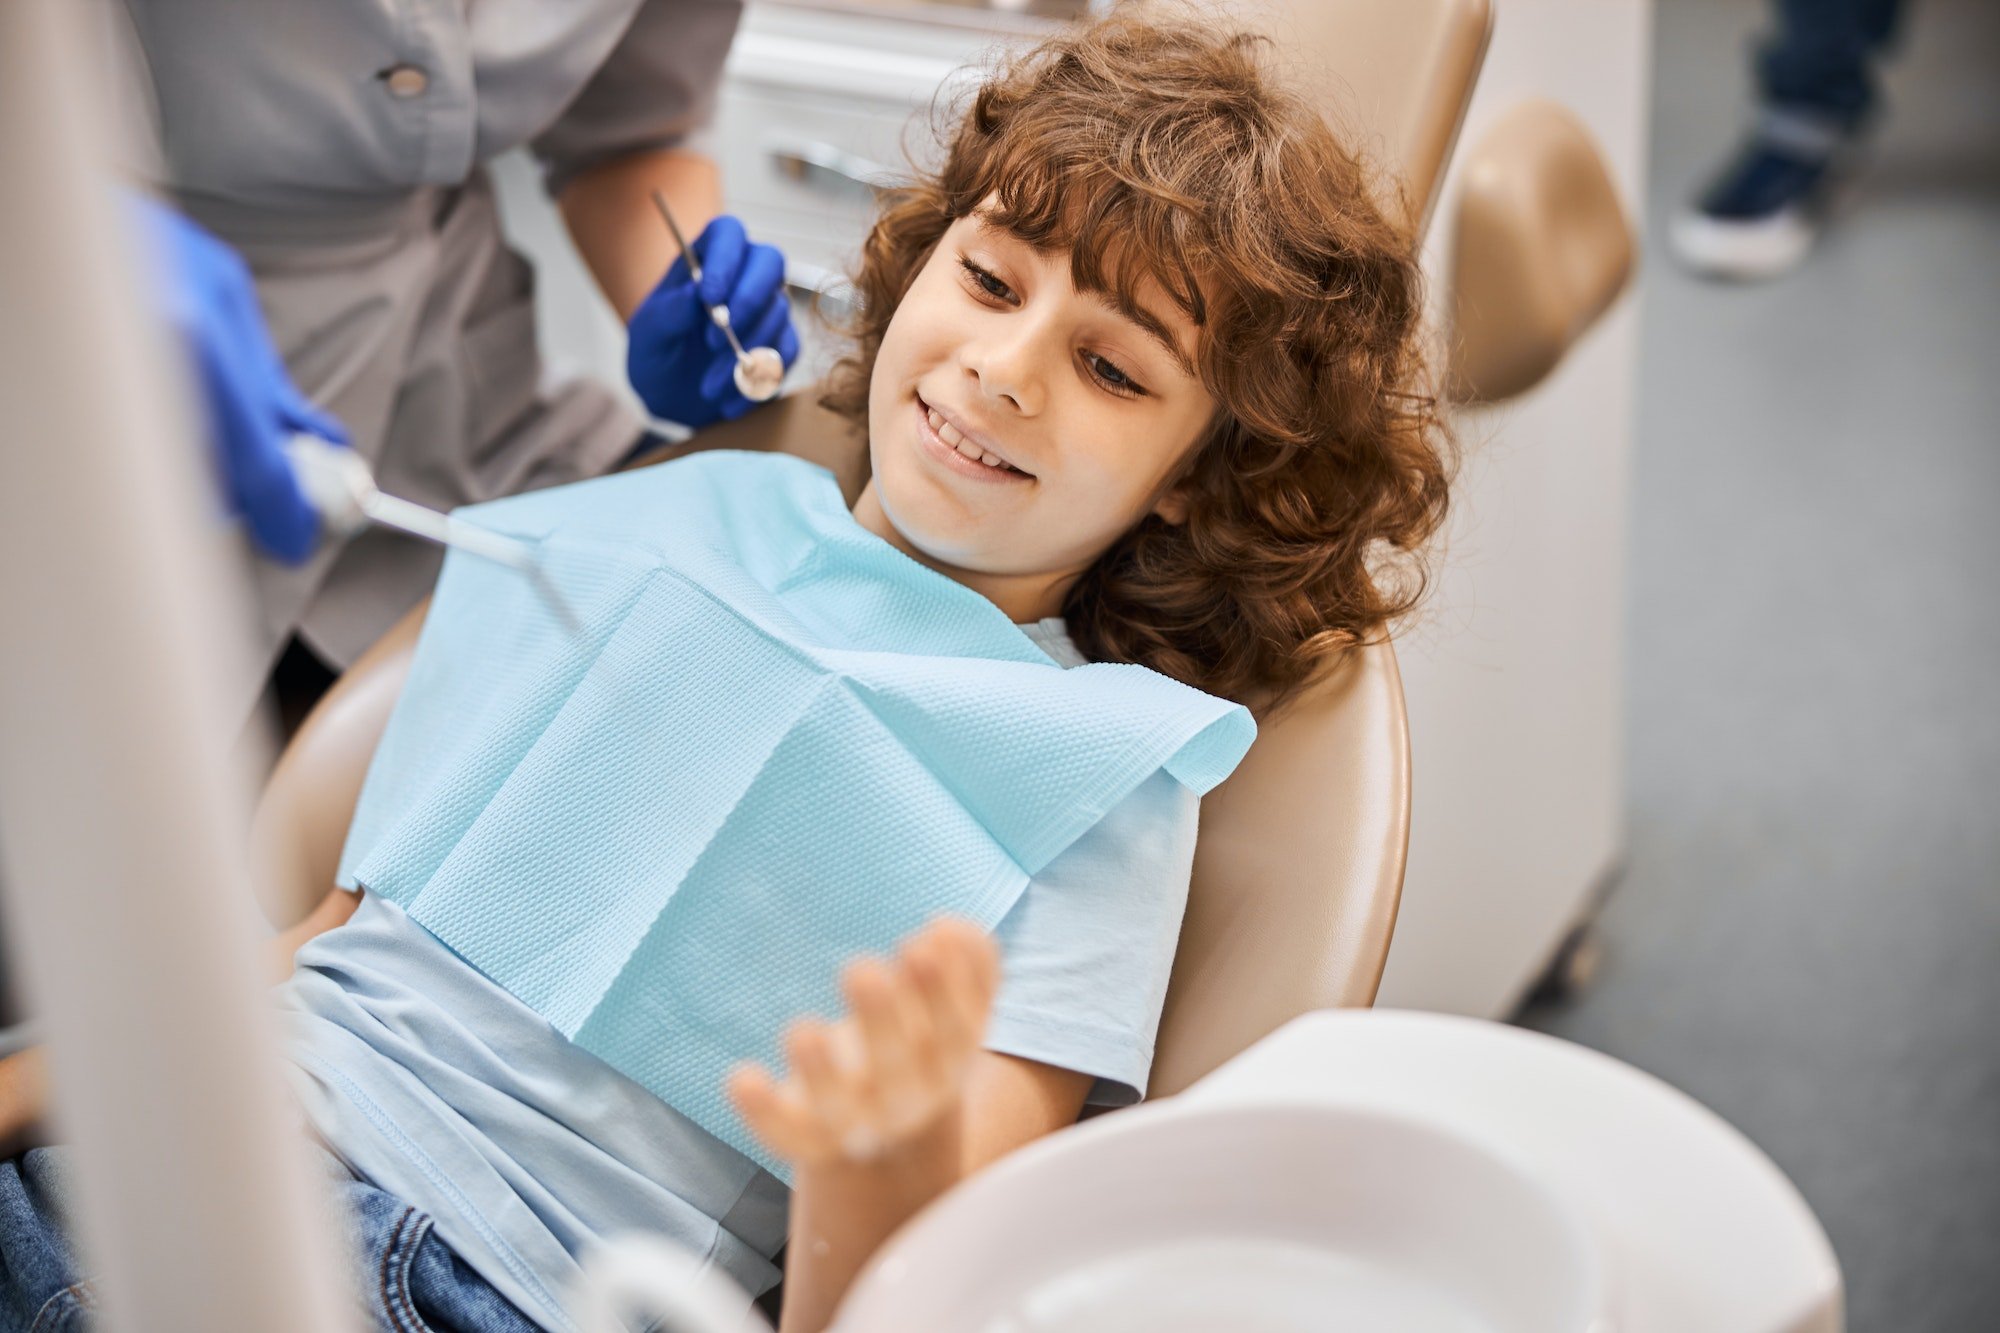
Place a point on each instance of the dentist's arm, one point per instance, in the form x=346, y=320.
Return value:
x=609, y=212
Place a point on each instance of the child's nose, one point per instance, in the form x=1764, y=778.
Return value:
x=1006, y=364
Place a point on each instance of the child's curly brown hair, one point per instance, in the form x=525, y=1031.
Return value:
x=1165, y=150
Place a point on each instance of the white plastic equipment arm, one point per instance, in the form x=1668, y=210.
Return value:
x=121, y=830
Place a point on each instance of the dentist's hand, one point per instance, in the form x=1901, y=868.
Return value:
x=206, y=294
x=680, y=364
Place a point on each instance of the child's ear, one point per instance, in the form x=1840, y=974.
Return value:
x=1173, y=506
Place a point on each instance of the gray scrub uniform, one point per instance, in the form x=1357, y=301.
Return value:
x=338, y=145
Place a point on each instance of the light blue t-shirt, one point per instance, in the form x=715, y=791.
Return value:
x=433, y=1083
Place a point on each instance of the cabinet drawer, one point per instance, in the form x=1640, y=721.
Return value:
x=808, y=155
x=820, y=252
x=816, y=112
x=817, y=109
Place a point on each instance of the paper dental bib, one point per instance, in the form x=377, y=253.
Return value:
x=778, y=743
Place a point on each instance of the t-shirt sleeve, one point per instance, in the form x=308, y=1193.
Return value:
x=1087, y=949
x=657, y=88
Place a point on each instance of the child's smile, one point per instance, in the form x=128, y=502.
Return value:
x=963, y=449
x=1018, y=427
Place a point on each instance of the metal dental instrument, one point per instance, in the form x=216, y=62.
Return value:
x=759, y=371
x=337, y=482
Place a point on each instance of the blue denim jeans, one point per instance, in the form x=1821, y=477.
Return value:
x=405, y=1277
x=1822, y=53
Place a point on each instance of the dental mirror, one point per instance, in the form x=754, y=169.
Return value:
x=759, y=371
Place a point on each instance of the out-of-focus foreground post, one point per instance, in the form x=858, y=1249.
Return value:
x=119, y=820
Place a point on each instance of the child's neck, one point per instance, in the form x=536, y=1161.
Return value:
x=1024, y=597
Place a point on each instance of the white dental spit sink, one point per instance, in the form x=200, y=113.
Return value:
x=1281, y=1218
x=1356, y=1171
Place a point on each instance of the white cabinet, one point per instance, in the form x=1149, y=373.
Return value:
x=1514, y=670
x=821, y=103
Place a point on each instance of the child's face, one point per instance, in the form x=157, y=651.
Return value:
x=993, y=351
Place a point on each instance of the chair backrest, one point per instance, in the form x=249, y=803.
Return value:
x=1299, y=861
x=1394, y=77
x=1542, y=249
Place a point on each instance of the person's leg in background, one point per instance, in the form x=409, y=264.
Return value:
x=1758, y=216
x=1821, y=59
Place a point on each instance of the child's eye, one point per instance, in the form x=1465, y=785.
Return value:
x=1111, y=377
x=987, y=283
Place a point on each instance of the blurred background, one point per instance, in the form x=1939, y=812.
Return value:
x=1806, y=932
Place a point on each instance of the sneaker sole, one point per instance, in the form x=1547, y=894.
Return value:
x=1745, y=251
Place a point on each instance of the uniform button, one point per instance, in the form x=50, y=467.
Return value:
x=406, y=80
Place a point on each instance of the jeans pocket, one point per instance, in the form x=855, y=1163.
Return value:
x=408, y=1279
x=385, y=1236
x=449, y=1296
x=70, y=1310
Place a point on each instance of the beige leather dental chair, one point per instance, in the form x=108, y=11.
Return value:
x=1299, y=862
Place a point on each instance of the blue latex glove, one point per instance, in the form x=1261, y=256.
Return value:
x=206, y=294
x=678, y=361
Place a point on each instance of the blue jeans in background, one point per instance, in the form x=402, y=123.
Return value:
x=1821, y=57
x=406, y=1279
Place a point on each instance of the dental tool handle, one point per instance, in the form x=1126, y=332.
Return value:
x=719, y=314
x=335, y=481
x=405, y=516
x=687, y=251
x=759, y=373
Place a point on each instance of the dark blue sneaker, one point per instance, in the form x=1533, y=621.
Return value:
x=1759, y=216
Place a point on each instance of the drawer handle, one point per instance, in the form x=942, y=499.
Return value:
x=821, y=164
x=825, y=290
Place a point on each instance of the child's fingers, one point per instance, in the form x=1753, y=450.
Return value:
x=885, y=1008
x=947, y=989
x=968, y=950
x=921, y=959
x=826, y=1084
x=970, y=970
x=809, y=1051
x=775, y=1114
x=983, y=953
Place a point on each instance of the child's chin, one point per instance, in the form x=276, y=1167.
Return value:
x=940, y=539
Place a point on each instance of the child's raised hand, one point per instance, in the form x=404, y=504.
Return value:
x=876, y=1079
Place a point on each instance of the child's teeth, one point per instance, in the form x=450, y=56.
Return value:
x=954, y=437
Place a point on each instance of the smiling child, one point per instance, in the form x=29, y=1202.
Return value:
x=1141, y=373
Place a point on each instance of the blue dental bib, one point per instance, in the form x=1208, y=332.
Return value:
x=778, y=743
